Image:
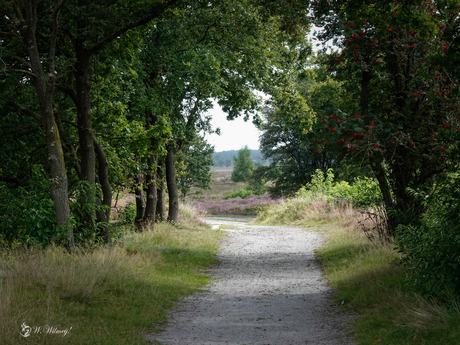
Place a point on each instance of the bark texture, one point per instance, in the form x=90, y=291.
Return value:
x=151, y=191
x=140, y=201
x=173, y=192
x=103, y=217
x=45, y=85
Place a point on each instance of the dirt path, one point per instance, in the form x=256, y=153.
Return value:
x=267, y=290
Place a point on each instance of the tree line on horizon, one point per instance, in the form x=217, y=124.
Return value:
x=227, y=158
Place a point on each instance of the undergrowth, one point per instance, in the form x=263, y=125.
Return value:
x=111, y=295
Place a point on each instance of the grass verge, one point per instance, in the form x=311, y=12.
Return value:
x=103, y=296
x=369, y=279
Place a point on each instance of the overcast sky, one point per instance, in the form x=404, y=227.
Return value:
x=234, y=134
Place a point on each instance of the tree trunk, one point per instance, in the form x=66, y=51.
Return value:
x=151, y=187
x=161, y=209
x=173, y=212
x=140, y=201
x=45, y=91
x=59, y=187
x=85, y=136
x=103, y=177
x=388, y=201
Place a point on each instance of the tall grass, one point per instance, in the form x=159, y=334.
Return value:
x=368, y=277
x=301, y=210
x=103, y=296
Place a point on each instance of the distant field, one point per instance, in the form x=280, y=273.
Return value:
x=222, y=185
x=221, y=172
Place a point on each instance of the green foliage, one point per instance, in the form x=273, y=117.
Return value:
x=257, y=183
x=79, y=206
x=319, y=184
x=396, y=62
x=243, y=165
x=27, y=213
x=431, y=250
x=289, y=150
x=150, y=73
x=239, y=193
x=290, y=132
x=363, y=192
x=194, y=168
x=255, y=186
x=127, y=214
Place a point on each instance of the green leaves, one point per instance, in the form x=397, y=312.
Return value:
x=27, y=214
x=243, y=165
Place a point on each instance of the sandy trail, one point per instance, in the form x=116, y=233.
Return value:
x=266, y=290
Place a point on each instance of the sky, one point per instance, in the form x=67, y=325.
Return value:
x=234, y=134
x=237, y=133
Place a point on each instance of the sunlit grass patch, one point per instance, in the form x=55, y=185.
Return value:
x=369, y=280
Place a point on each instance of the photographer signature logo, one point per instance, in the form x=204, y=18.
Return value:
x=27, y=331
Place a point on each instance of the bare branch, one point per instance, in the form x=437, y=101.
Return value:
x=22, y=60
x=27, y=111
x=19, y=70
x=17, y=9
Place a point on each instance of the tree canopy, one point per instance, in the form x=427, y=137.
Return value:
x=108, y=95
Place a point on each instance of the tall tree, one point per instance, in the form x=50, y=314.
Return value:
x=404, y=93
x=207, y=55
x=26, y=21
x=186, y=53
x=243, y=165
x=195, y=163
x=91, y=26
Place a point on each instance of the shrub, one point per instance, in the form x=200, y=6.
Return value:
x=240, y=193
x=27, y=213
x=363, y=192
x=431, y=250
x=127, y=214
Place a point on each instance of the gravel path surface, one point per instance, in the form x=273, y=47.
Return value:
x=266, y=290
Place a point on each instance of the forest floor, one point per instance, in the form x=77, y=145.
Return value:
x=267, y=289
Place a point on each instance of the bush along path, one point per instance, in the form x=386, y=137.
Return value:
x=268, y=289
